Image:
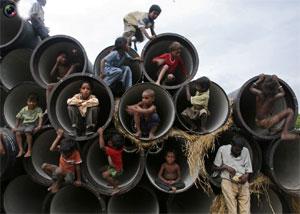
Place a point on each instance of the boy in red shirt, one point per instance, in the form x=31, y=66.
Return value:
x=114, y=152
x=69, y=163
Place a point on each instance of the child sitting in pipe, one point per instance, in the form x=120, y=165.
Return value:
x=169, y=62
x=69, y=163
x=267, y=90
x=113, y=68
x=2, y=149
x=83, y=110
x=169, y=176
x=145, y=116
x=114, y=152
x=196, y=116
x=28, y=121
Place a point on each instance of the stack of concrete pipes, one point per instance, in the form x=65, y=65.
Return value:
x=25, y=66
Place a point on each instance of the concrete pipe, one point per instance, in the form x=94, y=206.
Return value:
x=3, y=94
x=283, y=160
x=22, y=195
x=138, y=200
x=44, y=57
x=218, y=107
x=14, y=68
x=18, y=33
x=71, y=199
x=57, y=105
x=95, y=162
x=164, y=106
x=160, y=45
x=244, y=109
x=41, y=154
x=11, y=149
x=16, y=100
x=192, y=201
x=252, y=146
x=154, y=161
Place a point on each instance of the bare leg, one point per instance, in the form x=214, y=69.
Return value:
x=29, y=142
x=19, y=142
x=111, y=182
x=2, y=150
x=137, y=121
x=203, y=120
x=152, y=131
x=48, y=168
x=57, y=184
x=161, y=74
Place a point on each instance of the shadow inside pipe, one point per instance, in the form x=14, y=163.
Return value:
x=13, y=25
x=3, y=95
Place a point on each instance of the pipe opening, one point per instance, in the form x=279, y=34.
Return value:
x=218, y=107
x=263, y=204
x=164, y=106
x=22, y=195
x=160, y=45
x=3, y=95
x=16, y=100
x=13, y=27
x=96, y=162
x=15, y=68
x=138, y=200
x=154, y=161
x=57, y=105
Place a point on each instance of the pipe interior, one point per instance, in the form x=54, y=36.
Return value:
x=97, y=161
x=154, y=161
x=15, y=68
x=164, y=106
x=182, y=203
x=12, y=25
x=72, y=199
x=10, y=147
x=160, y=46
x=16, y=100
x=22, y=195
x=286, y=161
x=3, y=95
x=218, y=107
x=263, y=204
x=135, y=68
x=138, y=200
x=41, y=153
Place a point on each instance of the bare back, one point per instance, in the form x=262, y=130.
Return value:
x=170, y=171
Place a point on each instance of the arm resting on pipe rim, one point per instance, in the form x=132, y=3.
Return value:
x=55, y=144
x=101, y=139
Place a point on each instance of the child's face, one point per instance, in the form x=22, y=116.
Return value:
x=62, y=58
x=170, y=157
x=236, y=150
x=31, y=104
x=153, y=15
x=176, y=52
x=85, y=90
x=147, y=99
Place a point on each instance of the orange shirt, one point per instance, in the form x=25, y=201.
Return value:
x=68, y=165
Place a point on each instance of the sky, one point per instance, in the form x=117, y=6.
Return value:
x=235, y=39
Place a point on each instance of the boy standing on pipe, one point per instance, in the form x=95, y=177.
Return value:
x=37, y=19
x=268, y=90
x=114, y=152
x=136, y=23
x=234, y=163
x=28, y=121
x=69, y=163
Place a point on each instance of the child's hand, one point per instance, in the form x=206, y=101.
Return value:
x=243, y=179
x=100, y=131
x=37, y=128
x=230, y=170
x=261, y=76
x=60, y=132
x=77, y=183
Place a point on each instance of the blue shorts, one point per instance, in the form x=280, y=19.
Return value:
x=147, y=125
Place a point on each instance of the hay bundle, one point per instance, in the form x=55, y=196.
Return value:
x=295, y=202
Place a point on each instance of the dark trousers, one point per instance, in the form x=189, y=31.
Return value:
x=167, y=187
x=90, y=119
x=39, y=29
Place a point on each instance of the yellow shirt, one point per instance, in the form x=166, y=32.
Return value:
x=200, y=99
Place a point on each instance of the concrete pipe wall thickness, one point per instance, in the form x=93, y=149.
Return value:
x=57, y=105
x=14, y=68
x=71, y=199
x=16, y=100
x=3, y=94
x=15, y=33
x=160, y=45
x=22, y=195
x=95, y=162
x=138, y=200
x=41, y=154
x=191, y=201
x=154, y=161
x=283, y=158
x=164, y=107
x=44, y=58
x=218, y=107
x=244, y=109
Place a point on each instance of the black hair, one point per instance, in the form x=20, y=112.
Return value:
x=269, y=87
x=117, y=140
x=238, y=141
x=119, y=44
x=170, y=150
x=155, y=7
x=204, y=82
x=67, y=145
x=33, y=97
x=63, y=52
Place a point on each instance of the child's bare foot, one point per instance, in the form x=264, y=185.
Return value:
x=115, y=191
x=20, y=153
x=28, y=154
x=173, y=189
x=138, y=134
x=290, y=136
x=157, y=83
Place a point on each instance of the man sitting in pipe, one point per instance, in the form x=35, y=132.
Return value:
x=145, y=116
x=267, y=90
x=114, y=152
x=199, y=110
x=83, y=110
x=69, y=163
x=169, y=62
x=37, y=19
x=2, y=149
x=169, y=176
x=28, y=121
x=234, y=163
x=136, y=23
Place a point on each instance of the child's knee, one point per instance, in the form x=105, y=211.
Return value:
x=165, y=67
x=58, y=171
x=18, y=134
x=44, y=166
